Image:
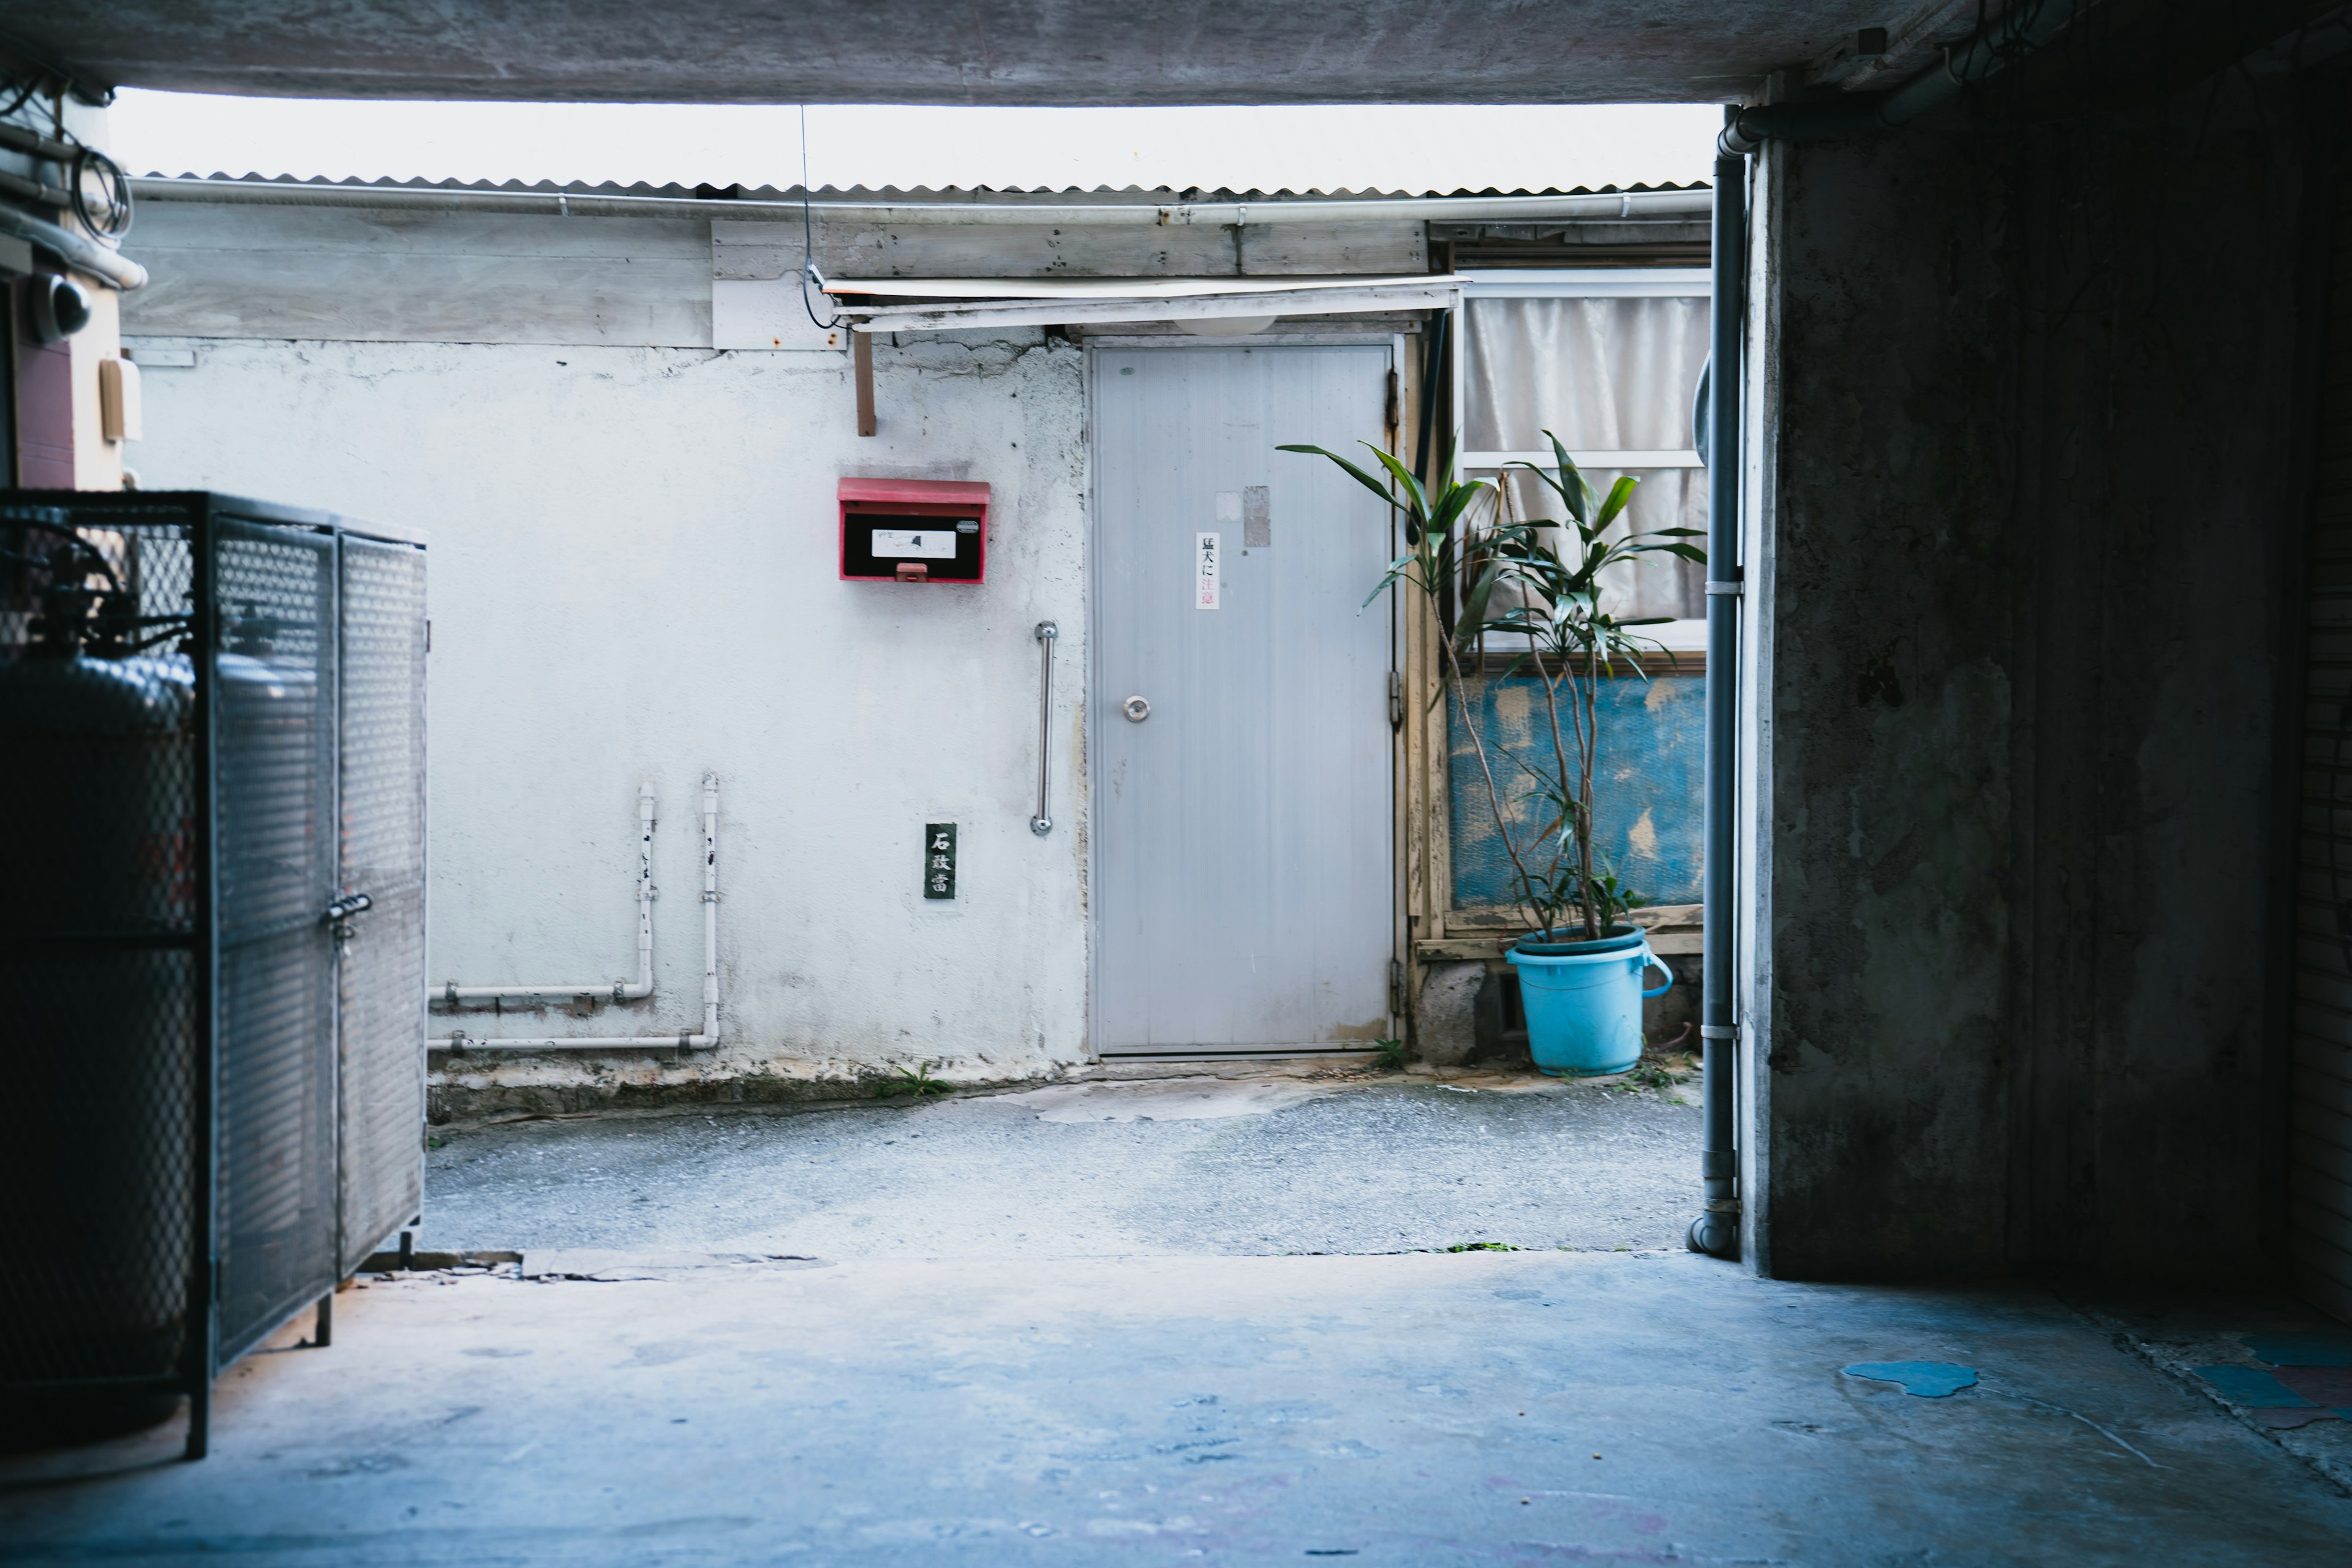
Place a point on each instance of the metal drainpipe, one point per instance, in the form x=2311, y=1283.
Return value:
x=1716, y=1229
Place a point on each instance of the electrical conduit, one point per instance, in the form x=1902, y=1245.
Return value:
x=682, y=1039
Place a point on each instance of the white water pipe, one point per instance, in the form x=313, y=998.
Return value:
x=682, y=1040
x=109, y=267
x=619, y=990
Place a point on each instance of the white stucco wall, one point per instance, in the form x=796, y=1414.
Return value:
x=634, y=573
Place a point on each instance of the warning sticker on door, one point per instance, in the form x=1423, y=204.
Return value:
x=1207, y=559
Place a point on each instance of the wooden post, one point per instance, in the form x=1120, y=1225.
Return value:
x=861, y=356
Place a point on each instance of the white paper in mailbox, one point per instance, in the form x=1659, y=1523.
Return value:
x=915, y=545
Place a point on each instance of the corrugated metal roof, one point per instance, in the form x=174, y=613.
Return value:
x=1009, y=196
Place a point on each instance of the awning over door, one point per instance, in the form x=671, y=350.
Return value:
x=963, y=304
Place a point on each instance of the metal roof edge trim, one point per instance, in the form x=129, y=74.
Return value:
x=1010, y=195
x=1431, y=209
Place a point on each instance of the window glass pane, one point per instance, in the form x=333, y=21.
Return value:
x=1606, y=375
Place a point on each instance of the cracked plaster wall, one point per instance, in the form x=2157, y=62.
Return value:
x=635, y=574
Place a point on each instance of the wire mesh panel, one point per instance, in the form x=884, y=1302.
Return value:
x=382, y=964
x=101, y=941
x=275, y=782
x=174, y=1124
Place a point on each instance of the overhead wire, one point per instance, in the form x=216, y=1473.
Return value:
x=809, y=272
x=105, y=210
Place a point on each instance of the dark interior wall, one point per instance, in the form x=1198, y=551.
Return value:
x=41, y=398
x=2040, y=497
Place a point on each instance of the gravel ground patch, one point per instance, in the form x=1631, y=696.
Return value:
x=1182, y=1165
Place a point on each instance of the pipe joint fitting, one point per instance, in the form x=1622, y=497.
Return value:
x=1714, y=1234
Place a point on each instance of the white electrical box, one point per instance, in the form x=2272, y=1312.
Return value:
x=117, y=400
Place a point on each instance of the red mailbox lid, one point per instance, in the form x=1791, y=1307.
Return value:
x=915, y=492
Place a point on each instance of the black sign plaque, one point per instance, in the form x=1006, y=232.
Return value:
x=938, y=859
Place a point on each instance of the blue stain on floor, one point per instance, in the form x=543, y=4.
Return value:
x=2300, y=1350
x=2252, y=1387
x=1927, y=1379
x=2313, y=1381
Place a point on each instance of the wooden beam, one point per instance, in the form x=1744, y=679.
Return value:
x=862, y=356
x=1683, y=942
x=1503, y=918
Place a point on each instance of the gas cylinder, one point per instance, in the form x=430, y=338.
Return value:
x=99, y=794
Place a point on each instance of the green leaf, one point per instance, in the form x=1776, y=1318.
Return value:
x=1404, y=477
x=1385, y=585
x=1362, y=477
x=1450, y=506
x=1619, y=494
x=1580, y=503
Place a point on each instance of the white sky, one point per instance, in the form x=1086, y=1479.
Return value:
x=1329, y=147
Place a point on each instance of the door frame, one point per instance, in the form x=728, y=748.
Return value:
x=1402, y=385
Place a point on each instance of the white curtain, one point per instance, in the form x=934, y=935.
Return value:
x=1604, y=374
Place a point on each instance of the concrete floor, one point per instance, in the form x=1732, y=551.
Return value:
x=1419, y=1409
x=1060, y=1326
x=1249, y=1161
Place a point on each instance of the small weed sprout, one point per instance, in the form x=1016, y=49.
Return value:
x=1648, y=1074
x=917, y=1081
x=1389, y=1054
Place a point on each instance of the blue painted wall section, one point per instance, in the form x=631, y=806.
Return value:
x=1646, y=782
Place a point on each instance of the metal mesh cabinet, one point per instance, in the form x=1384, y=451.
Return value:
x=213, y=726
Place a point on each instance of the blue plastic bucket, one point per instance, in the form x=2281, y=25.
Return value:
x=1583, y=1001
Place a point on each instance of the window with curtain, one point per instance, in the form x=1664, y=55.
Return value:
x=1609, y=361
x=1613, y=375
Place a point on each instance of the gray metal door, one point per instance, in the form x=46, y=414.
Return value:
x=1243, y=808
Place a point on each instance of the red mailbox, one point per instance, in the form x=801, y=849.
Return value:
x=913, y=531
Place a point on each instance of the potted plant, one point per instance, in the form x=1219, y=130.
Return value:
x=1537, y=584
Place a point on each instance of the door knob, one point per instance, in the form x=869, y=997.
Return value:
x=1136, y=709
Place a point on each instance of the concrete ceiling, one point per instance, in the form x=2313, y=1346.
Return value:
x=949, y=51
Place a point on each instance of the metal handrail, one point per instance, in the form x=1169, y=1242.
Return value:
x=1043, y=823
